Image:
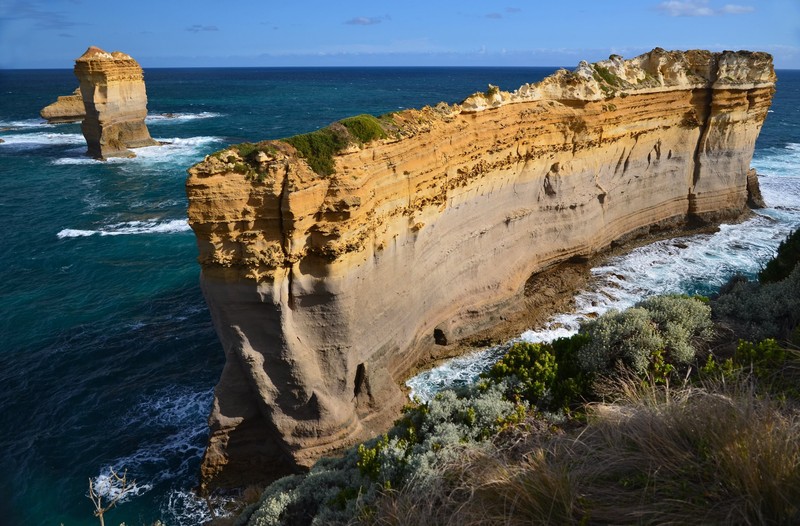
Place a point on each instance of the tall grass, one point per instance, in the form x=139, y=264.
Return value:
x=718, y=454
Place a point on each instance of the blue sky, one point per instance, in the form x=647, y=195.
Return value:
x=178, y=33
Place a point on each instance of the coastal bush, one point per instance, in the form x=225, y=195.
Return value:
x=319, y=147
x=364, y=128
x=605, y=75
x=675, y=325
x=785, y=260
x=716, y=455
x=336, y=490
x=546, y=375
x=756, y=311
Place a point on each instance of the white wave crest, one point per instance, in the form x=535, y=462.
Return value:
x=41, y=139
x=109, y=487
x=175, y=150
x=178, y=419
x=778, y=161
x=130, y=228
x=26, y=123
x=177, y=118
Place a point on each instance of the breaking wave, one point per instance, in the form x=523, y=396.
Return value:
x=129, y=228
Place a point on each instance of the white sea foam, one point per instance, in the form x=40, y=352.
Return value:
x=175, y=454
x=40, y=139
x=686, y=264
x=26, y=123
x=184, y=506
x=177, y=118
x=130, y=227
x=778, y=161
x=172, y=151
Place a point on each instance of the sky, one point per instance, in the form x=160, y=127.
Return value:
x=219, y=33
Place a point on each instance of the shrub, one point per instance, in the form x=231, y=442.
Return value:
x=785, y=260
x=661, y=456
x=424, y=438
x=757, y=311
x=365, y=128
x=319, y=147
x=676, y=325
x=544, y=374
x=605, y=75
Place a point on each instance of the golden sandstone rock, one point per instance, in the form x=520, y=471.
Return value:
x=67, y=108
x=115, y=101
x=326, y=290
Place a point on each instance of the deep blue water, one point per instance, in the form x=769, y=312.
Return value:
x=108, y=357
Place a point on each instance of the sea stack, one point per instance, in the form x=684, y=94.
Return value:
x=330, y=276
x=67, y=108
x=115, y=102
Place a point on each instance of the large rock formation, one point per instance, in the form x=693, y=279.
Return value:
x=115, y=101
x=66, y=108
x=326, y=287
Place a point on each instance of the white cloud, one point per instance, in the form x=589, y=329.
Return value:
x=733, y=9
x=367, y=20
x=700, y=8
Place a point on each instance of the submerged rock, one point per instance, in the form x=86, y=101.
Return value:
x=67, y=108
x=115, y=101
x=329, y=277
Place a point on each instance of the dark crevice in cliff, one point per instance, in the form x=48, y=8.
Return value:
x=701, y=139
x=283, y=208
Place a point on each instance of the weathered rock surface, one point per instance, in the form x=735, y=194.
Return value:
x=115, y=102
x=67, y=108
x=326, y=290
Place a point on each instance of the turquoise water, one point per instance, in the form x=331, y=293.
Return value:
x=108, y=356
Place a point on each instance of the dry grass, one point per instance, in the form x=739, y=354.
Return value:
x=720, y=454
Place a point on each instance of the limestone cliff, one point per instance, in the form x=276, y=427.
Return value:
x=115, y=102
x=330, y=276
x=66, y=108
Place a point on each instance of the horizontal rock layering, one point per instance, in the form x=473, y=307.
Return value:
x=115, y=101
x=326, y=287
x=66, y=108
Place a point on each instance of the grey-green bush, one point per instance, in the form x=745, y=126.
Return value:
x=677, y=325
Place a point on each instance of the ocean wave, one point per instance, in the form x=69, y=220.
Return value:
x=778, y=161
x=26, y=123
x=176, y=118
x=40, y=139
x=173, y=150
x=175, y=454
x=184, y=506
x=130, y=228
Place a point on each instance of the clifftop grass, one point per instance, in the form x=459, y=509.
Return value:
x=319, y=147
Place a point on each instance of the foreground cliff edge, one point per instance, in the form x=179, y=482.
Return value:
x=330, y=273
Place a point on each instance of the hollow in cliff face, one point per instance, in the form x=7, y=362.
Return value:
x=334, y=262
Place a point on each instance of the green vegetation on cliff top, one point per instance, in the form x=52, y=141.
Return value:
x=319, y=147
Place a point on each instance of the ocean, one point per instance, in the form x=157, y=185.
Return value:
x=108, y=356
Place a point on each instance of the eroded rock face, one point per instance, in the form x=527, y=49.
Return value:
x=326, y=290
x=115, y=102
x=66, y=108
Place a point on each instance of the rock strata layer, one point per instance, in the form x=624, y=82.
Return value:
x=115, y=101
x=328, y=284
x=67, y=108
